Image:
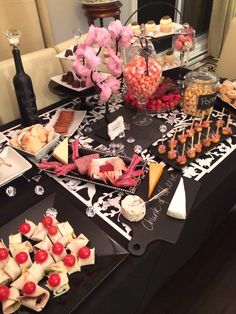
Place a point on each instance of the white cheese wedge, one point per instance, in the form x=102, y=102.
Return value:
x=177, y=207
x=61, y=152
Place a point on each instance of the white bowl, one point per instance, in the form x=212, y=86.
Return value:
x=43, y=151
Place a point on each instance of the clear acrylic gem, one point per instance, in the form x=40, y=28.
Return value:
x=127, y=126
x=163, y=128
x=52, y=212
x=87, y=129
x=37, y=178
x=138, y=149
x=130, y=140
x=39, y=190
x=90, y=211
x=11, y=191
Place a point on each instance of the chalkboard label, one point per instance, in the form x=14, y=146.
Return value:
x=206, y=101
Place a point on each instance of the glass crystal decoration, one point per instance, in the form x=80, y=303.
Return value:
x=90, y=211
x=138, y=149
x=39, y=190
x=130, y=140
x=13, y=35
x=52, y=212
x=163, y=128
x=11, y=191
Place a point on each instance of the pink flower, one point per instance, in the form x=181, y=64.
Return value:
x=114, y=63
x=103, y=37
x=126, y=37
x=96, y=77
x=92, y=60
x=113, y=83
x=90, y=38
x=80, y=50
x=106, y=91
x=80, y=69
x=115, y=28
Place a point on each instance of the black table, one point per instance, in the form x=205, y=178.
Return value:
x=129, y=288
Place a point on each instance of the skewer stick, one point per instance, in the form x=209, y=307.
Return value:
x=199, y=138
x=228, y=121
x=222, y=112
x=208, y=117
x=173, y=138
x=183, y=150
x=183, y=131
x=217, y=129
x=192, y=139
x=208, y=132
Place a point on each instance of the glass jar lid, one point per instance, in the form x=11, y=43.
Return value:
x=201, y=77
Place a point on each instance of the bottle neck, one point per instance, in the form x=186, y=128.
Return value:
x=17, y=60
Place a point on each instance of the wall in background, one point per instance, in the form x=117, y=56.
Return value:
x=64, y=15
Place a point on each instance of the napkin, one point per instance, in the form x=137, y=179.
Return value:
x=177, y=207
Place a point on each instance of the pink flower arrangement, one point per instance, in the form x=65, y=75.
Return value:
x=88, y=58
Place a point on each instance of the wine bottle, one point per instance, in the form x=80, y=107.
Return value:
x=24, y=92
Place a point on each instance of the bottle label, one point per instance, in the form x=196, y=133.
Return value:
x=206, y=101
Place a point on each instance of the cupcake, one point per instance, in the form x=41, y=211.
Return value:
x=166, y=24
x=150, y=28
x=169, y=58
x=135, y=28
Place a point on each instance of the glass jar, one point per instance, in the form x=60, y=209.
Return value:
x=199, y=92
x=142, y=74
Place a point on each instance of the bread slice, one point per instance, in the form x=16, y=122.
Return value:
x=61, y=152
x=155, y=172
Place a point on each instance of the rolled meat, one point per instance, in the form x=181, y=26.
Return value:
x=12, y=304
x=46, y=244
x=88, y=261
x=37, y=300
x=37, y=271
x=4, y=278
x=12, y=269
x=40, y=233
x=4, y=261
x=77, y=243
x=63, y=286
x=66, y=230
x=58, y=267
x=25, y=246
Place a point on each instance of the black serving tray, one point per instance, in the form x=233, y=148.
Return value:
x=179, y=148
x=109, y=254
x=77, y=176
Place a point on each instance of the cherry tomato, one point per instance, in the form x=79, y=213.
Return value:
x=69, y=260
x=21, y=257
x=54, y=280
x=47, y=221
x=84, y=252
x=57, y=248
x=4, y=293
x=40, y=256
x=24, y=228
x=29, y=287
x=52, y=230
x=3, y=253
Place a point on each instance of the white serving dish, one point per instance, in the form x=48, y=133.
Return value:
x=77, y=119
x=19, y=165
x=43, y=151
x=3, y=138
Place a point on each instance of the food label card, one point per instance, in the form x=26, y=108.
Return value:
x=116, y=127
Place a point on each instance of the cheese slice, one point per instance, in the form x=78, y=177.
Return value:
x=177, y=207
x=155, y=172
x=61, y=152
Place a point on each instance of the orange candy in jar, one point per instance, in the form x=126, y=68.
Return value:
x=142, y=80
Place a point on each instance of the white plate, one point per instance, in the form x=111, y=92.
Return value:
x=43, y=151
x=19, y=165
x=77, y=119
x=3, y=138
x=57, y=79
x=61, y=55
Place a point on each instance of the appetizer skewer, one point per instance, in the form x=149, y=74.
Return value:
x=181, y=159
x=198, y=146
x=220, y=122
x=190, y=132
x=173, y=142
x=227, y=130
x=207, y=141
x=215, y=138
x=198, y=125
x=182, y=137
x=191, y=153
x=206, y=123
